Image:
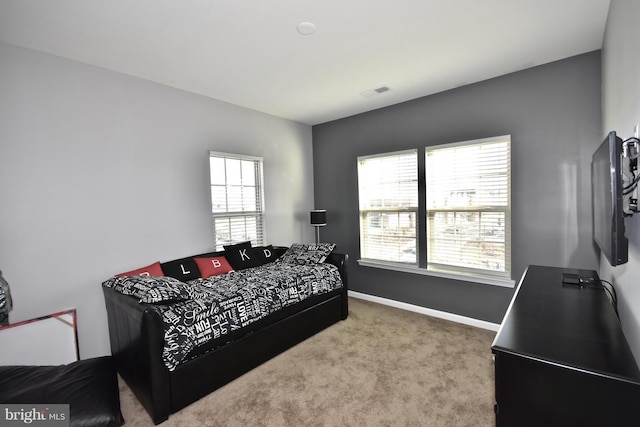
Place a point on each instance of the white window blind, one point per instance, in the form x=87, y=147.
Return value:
x=236, y=199
x=469, y=206
x=388, y=198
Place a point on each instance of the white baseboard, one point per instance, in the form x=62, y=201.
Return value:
x=427, y=311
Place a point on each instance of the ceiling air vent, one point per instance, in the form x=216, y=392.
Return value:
x=373, y=92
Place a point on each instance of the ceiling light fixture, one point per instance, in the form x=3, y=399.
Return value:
x=306, y=28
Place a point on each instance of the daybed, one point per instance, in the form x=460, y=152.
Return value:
x=149, y=323
x=89, y=387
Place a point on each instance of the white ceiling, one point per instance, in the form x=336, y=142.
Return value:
x=249, y=52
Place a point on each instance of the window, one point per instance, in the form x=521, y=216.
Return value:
x=388, y=196
x=469, y=206
x=236, y=199
x=454, y=222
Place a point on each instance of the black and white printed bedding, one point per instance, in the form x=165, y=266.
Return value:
x=220, y=304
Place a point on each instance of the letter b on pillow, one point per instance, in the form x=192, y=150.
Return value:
x=213, y=266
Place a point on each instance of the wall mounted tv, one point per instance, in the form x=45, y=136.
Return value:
x=608, y=199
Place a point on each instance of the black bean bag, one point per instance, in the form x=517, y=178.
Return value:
x=89, y=387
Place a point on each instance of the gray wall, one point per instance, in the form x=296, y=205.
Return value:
x=621, y=112
x=101, y=173
x=553, y=113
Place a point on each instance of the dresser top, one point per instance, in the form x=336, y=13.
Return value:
x=568, y=325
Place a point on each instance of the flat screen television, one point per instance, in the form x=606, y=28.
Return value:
x=607, y=200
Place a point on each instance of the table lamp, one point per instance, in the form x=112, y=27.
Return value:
x=318, y=219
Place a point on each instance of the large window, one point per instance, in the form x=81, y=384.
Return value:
x=388, y=195
x=469, y=206
x=454, y=221
x=236, y=199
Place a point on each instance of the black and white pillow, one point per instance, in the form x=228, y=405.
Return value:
x=183, y=269
x=300, y=253
x=265, y=254
x=150, y=289
x=241, y=256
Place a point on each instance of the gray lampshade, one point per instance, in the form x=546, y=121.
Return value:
x=318, y=217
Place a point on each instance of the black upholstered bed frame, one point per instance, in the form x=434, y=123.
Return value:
x=136, y=332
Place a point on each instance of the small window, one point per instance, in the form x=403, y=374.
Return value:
x=388, y=198
x=469, y=207
x=236, y=199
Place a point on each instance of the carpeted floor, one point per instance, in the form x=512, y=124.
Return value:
x=380, y=367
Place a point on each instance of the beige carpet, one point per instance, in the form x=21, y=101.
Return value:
x=380, y=367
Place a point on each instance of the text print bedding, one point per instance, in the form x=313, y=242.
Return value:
x=205, y=309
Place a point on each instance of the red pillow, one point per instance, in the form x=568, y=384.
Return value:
x=150, y=270
x=213, y=266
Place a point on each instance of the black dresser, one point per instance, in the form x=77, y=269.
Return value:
x=561, y=358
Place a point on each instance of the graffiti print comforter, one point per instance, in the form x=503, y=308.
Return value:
x=224, y=303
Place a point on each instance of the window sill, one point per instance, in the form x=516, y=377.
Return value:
x=485, y=280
